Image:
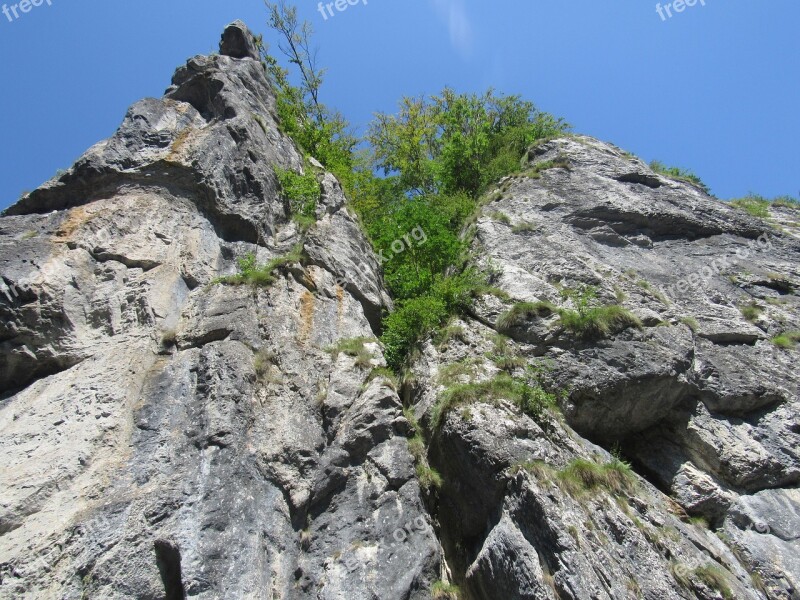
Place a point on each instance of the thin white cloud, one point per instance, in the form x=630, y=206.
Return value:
x=454, y=14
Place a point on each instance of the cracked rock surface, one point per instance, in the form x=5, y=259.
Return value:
x=164, y=435
x=698, y=398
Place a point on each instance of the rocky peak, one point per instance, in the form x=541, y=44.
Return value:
x=238, y=42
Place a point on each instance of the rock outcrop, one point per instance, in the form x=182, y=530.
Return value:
x=165, y=435
x=693, y=393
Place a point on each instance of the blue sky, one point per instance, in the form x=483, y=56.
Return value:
x=714, y=88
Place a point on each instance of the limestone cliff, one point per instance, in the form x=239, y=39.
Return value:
x=167, y=436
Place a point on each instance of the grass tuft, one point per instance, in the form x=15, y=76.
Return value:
x=535, y=172
x=599, y=321
x=524, y=227
x=714, y=578
x=753, y=204
x=522, y=312
x=582, y=476
x=679, y=174
x=532, y=400
x=751, y=311
x=355, y=347
x=250, y=273
x=445, y=591
x=787, y=340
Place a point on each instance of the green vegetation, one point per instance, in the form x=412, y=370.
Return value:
x=787, y=340
x=758, y=206
x=449, y=333
x=523, y=227
x=786, y=202
x=582, y=476
x=522, y=312
x=592, y=321
x=445, y=591
x=530, y=397
x=753, y=204
x=355, y=347
x=437, y=155
x=263, y=361
x=751, y=311
x=679, y=174
x=302, y=190
x=536, y=171
x=387, y=375
x=251, y=273
x=503, y=354
x=501, y=217
x=451, y=373
x=690, y=322
x=714, y=578
x=428, y=476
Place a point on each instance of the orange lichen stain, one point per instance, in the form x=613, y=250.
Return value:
x=75, y=218
x=339, y=304
x=177, y=145
x=306, y=315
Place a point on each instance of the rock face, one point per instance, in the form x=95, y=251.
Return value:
x=698, y=398
x=165, y=435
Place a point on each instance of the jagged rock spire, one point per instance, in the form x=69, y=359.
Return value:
x=238, y=42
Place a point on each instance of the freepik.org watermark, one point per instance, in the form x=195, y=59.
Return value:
x=665, y=11
x=24, y=7
x=415, y=237
x=326, y=8
x=719, y=266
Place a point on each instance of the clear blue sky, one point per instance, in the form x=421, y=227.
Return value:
x=714, y=88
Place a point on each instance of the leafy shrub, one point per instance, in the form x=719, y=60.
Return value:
x=415, y=318
x=679, y=174
x=302, y=190
x=457, y=142
x=408, y=324
x=413, y=271
x=522, y=312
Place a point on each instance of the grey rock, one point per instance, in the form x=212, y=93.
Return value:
x=165, y=435
x=168, y=435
